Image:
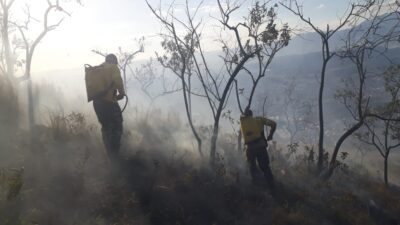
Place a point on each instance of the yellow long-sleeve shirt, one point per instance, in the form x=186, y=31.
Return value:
x=112, y=77
x=252, y=127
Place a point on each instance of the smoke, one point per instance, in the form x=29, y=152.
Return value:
x=66, y=172
x=67, y=178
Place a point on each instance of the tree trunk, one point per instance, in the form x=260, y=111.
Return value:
x=385, y=170
x=196, y=135
x=222, y=102
x=6, y=45
x=198, y=139
x=214, y=139
x=189, y=116
x=321, y=120
x=239, y=142
x=333, y=163
x=31, y=110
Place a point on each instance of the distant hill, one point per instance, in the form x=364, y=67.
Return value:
x=310, y=42
x=301, y=61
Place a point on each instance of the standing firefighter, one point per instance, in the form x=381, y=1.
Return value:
x=105, y=87
x=256, y=145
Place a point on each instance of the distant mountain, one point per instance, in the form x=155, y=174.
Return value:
x=305, y=70
x=311, y=42
x=301, y=61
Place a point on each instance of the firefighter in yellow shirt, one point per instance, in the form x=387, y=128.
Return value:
x=106, y=106
x=256, y=145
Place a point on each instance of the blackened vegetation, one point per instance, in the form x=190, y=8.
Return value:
x=180, y=194
x=69, y=181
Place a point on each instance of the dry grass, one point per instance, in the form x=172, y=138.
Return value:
x=67, y=180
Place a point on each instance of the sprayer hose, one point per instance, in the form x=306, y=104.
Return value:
x=126, y=103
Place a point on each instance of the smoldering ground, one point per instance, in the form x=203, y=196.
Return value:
x=63, y=176
x=67, y=177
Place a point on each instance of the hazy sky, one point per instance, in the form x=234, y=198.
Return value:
x=107, y=25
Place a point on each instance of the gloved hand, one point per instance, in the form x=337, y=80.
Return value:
x=120, y=96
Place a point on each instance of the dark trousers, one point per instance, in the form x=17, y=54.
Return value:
x=257, y=154
x=110, y=117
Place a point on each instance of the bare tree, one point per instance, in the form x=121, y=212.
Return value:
x=327, y=54
x=26, y=43
x=147, y=76
x=178, y=58
x=264, y=35
x=270, y=40
x=364, y=42
x=7, y=56
x=384, y=135
x=186, y=55
x=30, y=48
x=291, y=111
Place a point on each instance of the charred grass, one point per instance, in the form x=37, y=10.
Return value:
x=64, y=177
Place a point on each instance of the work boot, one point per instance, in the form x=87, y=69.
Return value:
x=271, y=189
x=270, y=183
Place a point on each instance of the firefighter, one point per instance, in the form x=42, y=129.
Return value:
x=106, y=106
x=252, y=129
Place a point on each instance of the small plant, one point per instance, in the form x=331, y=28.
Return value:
x=58, y=125
x=11, y=181
x=292, y=149
x=310, y=154
x=63, y=127
x=326, y=158
x=219, y=167
x=343, y=155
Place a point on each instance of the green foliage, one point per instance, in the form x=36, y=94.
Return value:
x=15, y=184
x=392, y=108
x=262, y=25
x=11, y=182
x=259, y=13
x=9, y=110
x=264, y=17
x=179, y=53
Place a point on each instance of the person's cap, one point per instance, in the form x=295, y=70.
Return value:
x=111, y=58
x=248, y=112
